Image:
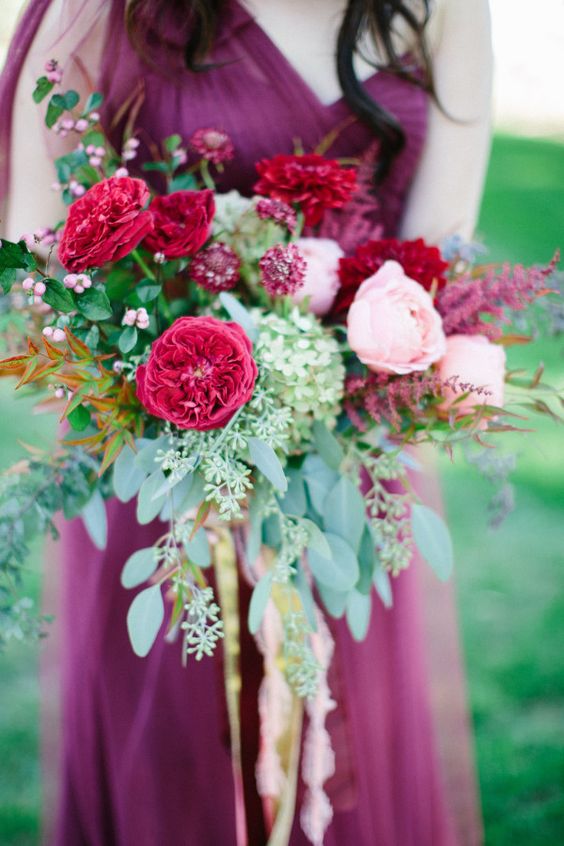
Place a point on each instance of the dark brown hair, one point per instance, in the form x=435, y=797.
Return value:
x=198, y=19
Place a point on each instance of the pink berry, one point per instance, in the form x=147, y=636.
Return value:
x=84, y=280
x=95, y=116
x=60, y=393
x=37, y=299
x=58, y=335
x=95, y=161
x=81, y=125
x=100, y=151
x=67, y=123
x=48, y=331
x=90, y=150
x=70, y=280
x=79, y=289
x=121, y=171
x=39, y=288
x=28, y=283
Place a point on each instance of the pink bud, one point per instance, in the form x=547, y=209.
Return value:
x=129, y=155
x=79, y=289
x=180, y=157
x=159, y=258
x=81, y=125
x=48, y=331
x=58, y=335
x=79, y=191
x=63, y=133
x=95, y=161
x=121, y=171
x=95, y=116
x=60, y=393
x=67, y=123
x=129, y=317
x=132, y=143
x=117, y=366
x=90, y=150
x=84, y=280
x=39, y=288
x=70, y=280
x=37, y=299
x=100, y=151
x=28, y=283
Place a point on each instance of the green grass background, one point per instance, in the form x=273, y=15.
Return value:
x=510, y=582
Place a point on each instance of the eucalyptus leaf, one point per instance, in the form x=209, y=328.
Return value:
x=175, y=499
x=433, y=540
x=239, y=314
x=335, y=601
x=128, y=476
x=359, y=606
x=139, y=567
x=317, y=540
x=198, y=549
x=294, y=502
x=344, y=512
x=148, y=292
x=147, y=507
x=259, y=601
x=265, y=459
x=254, y=537
x=339, y=572
x=367, y=561
x=320, y=479
x=148, y=449
x=306, y=596
x=327, y=445
x=271, y=533
x=383, y=585
x=144, y=619
x=95, y=520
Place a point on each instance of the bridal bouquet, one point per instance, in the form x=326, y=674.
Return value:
x=220, y=360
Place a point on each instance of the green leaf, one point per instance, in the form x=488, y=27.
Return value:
x=7, y=279
x=128, y=476
x=159, y=167
x=183, y=182
x=16, y=256
x=127, y=339
x=344, y=512
x=139, y=567
x=433, y=540
x=239, y=314
x=94, y=102
x=259, y=601
x=42, y=88
x=359, y=606
x=148, y=507
x=339, y=572
x=294, y=502
x=198, y=549
x=306, y=596
x=144, y=619
x=317, y=540
x=172, y=143
x=265, y=459
x=58, y=297
x=148, y=292
x=327, y=445
x=119, y=283
x=271, y=533
x=94, y=304
x=254, y=537
x=66, y=101
x=95, y=520
x=79, y=418
x=383, y=585
x=54, y=112
x=335, y=601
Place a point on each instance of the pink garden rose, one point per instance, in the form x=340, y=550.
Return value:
x=475, y=360
x=392, y=324
x=199, y=372
x=322, y=275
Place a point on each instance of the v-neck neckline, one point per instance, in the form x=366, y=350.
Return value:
x=289, y=68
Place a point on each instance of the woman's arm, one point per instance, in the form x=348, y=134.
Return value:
x=31, y=202
x=447, y=189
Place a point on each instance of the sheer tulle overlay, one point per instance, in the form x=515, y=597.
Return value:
x=144, y=754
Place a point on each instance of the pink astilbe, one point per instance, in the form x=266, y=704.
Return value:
x=479, y=306
x=385, y=398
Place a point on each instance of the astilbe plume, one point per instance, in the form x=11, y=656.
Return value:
x=384, y=398
x=468, y=304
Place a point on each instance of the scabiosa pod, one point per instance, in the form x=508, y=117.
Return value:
x=282, y=270
x=278, y=211
x=216, y=268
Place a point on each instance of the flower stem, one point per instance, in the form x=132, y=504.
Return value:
x=136, y=255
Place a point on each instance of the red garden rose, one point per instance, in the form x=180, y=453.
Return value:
x=420, y=262
x=313, y=181
x=199, y=372
x=105, y=224
x=182, y=223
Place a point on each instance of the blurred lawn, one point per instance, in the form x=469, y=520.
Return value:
x=510, y=582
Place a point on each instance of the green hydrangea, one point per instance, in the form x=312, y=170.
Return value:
x=305, y=368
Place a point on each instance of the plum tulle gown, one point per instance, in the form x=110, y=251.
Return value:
x=145, y=756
